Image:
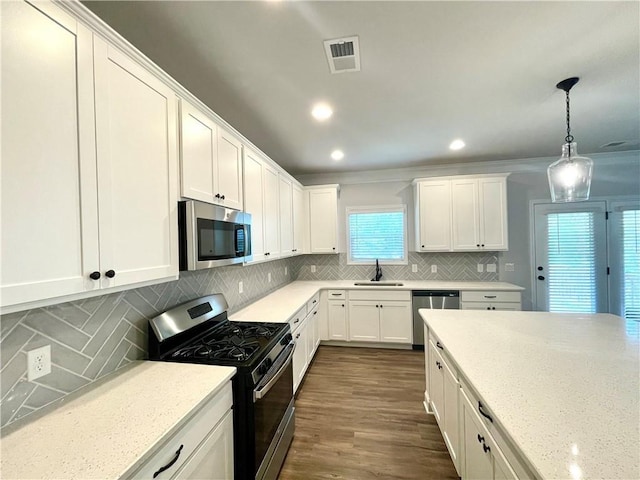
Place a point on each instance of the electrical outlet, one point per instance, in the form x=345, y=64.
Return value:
x=38, y=362
x=434, y=268
x=269, y=277
x=491, y=267
x=313, y=269
x=509, y=267
x=286, y=271
x=240, y=287
x=414, y=267
x=480, y=268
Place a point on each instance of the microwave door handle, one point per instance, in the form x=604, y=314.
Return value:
x=236, y=237
x=260, y=393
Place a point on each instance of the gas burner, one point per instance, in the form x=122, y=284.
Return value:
x=259, y=331
x=235, y=352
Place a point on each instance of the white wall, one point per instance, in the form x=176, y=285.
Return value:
x=616, y=174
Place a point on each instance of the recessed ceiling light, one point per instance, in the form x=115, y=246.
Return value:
x=456, y=144
x=337, y=154
x=321, y=111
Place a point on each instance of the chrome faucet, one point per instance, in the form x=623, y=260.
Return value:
x=378, y=272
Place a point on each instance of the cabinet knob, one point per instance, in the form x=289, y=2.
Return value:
x=110, y=274
x=334, y=248
x=480, y=439
x=482, y=244
x=94, y=275
x=422, y=246
x=486, y=448
x=217, y=195
x=488, y=308
x=222, y=198
x=540, y=268
x=343, y=304
x=477, y=244
x=439, y=345
x=297, y=336
x=381, y=306
x=493, y=308
x=377, y=306
x=540, y=277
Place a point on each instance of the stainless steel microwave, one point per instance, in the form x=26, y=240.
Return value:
x=211, y=236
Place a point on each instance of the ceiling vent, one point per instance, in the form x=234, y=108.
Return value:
x=343, y=54
x=613, y=144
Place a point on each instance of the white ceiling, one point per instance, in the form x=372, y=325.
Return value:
x=431, y=72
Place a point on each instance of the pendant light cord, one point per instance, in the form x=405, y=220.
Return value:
x=569, y=137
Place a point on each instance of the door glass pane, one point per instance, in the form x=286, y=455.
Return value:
x=631, y=264
x=571, y=262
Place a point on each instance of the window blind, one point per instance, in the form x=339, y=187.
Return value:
x=631, y=264
x=377, y=235
x=571, y=265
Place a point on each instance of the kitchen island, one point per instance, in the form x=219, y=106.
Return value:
x=563, y=390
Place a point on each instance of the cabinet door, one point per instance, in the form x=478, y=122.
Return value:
x=436, y=385
x=477, y=460
x=464, y=215
x=199, y=152
x=214, y=457
x=337, y=313
x=396, y=323
x=323, y=211
x=493, y=213
x=286, y=216
x=49, y=232
x=300, y=360
x=228, y=183
x=434, y=216
x=312, y=326
x=271, y=212
x=137, y=165
x=364, y=321
x=253, y=198
x=450, y=431
x=316, y=330
x=298, y=219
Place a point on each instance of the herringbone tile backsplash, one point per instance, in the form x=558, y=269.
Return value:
x=90, y=338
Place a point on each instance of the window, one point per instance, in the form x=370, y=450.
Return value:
x=377, y=233
x=625, y=259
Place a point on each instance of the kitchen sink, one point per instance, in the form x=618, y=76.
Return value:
x=378, y=284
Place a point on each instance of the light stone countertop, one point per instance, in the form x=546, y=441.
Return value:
x=564, y=387
x=108, y=429
x=282, y=304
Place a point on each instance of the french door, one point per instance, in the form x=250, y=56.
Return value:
x=571, y=257
x=587, y=257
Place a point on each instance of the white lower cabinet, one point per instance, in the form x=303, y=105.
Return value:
x=482, y=458
x=444, y=396
x=304, y=325
x=202, y=448
x=300, y=358
x=337, y=320
x=380, y=316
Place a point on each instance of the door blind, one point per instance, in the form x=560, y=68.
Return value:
x=571, y=264
x=631, y=264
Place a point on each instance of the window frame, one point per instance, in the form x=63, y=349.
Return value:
x=378, y=209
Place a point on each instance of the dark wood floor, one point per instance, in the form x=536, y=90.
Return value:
x=359, y=415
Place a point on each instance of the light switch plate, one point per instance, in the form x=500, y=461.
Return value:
x=286, y=271
x=240, y=287
x=434, y=268
x=269, y=277
x=491, y=267
x=480, y=268
x=313, y=269
x=509, y=267
x=414, y=267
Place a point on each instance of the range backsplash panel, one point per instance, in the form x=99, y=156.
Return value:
x=93, y=337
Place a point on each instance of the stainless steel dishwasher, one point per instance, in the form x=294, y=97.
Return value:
x=432, y=299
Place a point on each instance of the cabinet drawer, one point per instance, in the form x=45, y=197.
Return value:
x=336, y=295
x=380, y=295
x=298, y=318
x=489, y=296
x=311, y=304
x=188, y=438
x=513, y=306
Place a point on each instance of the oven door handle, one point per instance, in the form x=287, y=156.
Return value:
x=261, y=392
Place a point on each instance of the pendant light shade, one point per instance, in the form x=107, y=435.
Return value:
x=570, y=176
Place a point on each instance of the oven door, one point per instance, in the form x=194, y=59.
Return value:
x=273, y=407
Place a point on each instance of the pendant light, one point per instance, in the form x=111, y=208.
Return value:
x=570, y=176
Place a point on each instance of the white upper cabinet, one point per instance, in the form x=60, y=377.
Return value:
x=199, y=151
x=211, y=160
x=253, y=201
x=286, y=215
x=433, y=215
x=228, y=181
x=461, y=214
x=49, y=211
x=98, y=155
x=136, y=130
x=271, y=211
x=479, y=213
x=299, y=220
x=323, y=219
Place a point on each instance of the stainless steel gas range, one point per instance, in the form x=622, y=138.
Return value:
x=263, y=414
